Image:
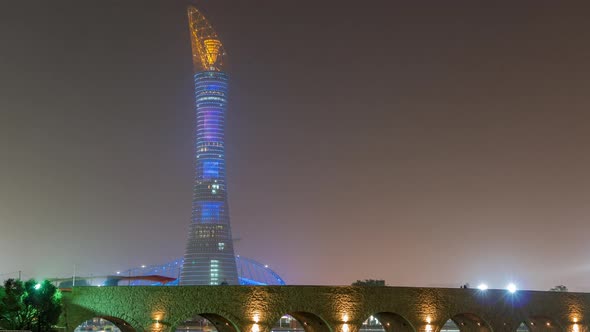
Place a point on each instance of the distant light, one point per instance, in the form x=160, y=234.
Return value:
x=38, y=286
x=482, y=287
x=143, y=266
x=118, y=272
x=266, y=266
x=511, y=288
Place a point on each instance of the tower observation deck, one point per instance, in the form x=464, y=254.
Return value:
x=209, y=257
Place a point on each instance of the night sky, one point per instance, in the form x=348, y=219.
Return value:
x=427, y=143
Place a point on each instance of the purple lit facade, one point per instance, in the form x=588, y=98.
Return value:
x=209, y=257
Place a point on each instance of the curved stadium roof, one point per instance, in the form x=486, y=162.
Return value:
x=250, y=272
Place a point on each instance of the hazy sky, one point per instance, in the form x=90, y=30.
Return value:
x=427, y=143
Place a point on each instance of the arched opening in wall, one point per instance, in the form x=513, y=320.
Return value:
x=372, y=324
x=542, y=324
x=386, y=322
x=105, y=323
x=287, y=324
x=466, y=323
x=206, y=323
x=523, y=328
x=300, y=322
x=450, y=326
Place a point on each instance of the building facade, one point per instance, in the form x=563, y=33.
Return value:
x=209, y=257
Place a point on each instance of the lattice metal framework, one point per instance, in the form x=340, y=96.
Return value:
x=208, y=52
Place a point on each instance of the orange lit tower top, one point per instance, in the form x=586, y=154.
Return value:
x=208, y=51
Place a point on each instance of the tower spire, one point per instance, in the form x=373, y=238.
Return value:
x=207, y=49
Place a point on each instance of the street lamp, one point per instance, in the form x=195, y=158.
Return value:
x=511, y=288
x=482, y=287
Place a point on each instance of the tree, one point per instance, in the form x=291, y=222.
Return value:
x=14, y=314
x=369, y=282
x=29, y=305
x=559, y=288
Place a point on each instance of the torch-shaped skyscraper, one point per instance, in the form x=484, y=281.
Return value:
x=209, y=257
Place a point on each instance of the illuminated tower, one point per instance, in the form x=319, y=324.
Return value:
x=209, y=256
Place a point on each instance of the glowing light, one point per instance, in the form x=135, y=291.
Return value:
x=576, y=327
x=210, y=211
x=212, y=47
x=118, y=272
x=256, y=318
x=345, y=328
x=548, y=324
x=345, y=318
x=37, y=286
x=428, y=326
x=511, y=288
x=255, y=328
x=143, y=266
x=158, y=316
x=207, y=49
x=482, y=287
x=211, y=168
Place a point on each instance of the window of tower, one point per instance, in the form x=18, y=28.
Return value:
x=210, y=211
x=214, y=272
x=210, y=169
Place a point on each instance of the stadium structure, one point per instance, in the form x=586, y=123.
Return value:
x=250, y=273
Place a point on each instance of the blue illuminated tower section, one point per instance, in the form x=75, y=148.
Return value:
x=209, y=257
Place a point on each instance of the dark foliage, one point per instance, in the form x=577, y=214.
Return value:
x=369, y=282
x=29, y=305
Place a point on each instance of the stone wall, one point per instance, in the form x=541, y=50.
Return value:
x=328, y=309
